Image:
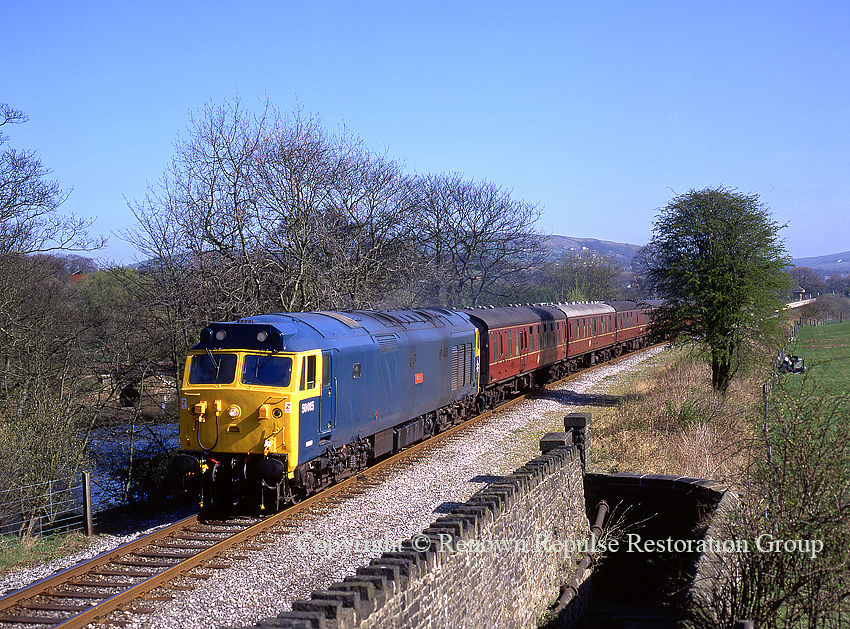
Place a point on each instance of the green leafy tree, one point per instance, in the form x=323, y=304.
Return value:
x=718, y=262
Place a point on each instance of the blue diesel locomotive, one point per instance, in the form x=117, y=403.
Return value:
x=275, y=407
x=278, y=406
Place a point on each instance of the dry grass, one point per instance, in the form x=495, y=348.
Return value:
x=669, y=421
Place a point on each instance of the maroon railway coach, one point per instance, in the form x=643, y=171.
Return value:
x=632, y=323
x=527, y=346
x=519, y=345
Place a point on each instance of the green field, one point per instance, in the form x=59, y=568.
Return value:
x=826, y=350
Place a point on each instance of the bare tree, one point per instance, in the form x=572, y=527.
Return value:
x=478, y=239
x=274, y=213
x=810, y=281
x=43, y=376
x=295, y=178
x=584, y=275
x=29, y=221
x=369, y=247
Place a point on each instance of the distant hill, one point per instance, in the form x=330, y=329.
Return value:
x=838, y=263
x=622, y=252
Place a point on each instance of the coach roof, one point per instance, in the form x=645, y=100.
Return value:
x=585, y=309
x=495, y=318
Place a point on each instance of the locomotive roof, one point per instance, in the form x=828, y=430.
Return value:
x=292, y=331
x=514, y=315
x=415, y=319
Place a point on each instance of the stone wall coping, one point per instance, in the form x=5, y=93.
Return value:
x=345, y=604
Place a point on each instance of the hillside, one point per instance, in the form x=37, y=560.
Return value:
x=838, y=263
x=624, y=253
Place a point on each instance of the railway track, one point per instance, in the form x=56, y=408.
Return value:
x=121, y=582
x=112, y=587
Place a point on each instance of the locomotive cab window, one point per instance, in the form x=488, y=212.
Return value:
x=267, y=371
x=308, y=373
x=212, y=368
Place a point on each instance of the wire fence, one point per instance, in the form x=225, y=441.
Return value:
x=57, y=506
x=131, y=464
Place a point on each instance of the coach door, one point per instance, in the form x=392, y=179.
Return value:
x=328, y=399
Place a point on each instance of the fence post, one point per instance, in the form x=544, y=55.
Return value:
x=88, y=520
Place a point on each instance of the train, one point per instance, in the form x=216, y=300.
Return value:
x=275, y=407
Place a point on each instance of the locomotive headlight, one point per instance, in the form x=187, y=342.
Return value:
x=234, y=411
x=262, y=336
x=220, y=334
x=277, y=413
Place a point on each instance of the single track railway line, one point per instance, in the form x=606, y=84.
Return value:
x=180, y=556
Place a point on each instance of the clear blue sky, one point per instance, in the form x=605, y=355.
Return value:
x=597, y=111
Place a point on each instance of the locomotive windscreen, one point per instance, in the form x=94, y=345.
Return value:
x=212, y=369
x=269, y=371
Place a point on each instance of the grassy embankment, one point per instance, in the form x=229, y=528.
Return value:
x=789, y=462
x=669, y=421
x=826, y=350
